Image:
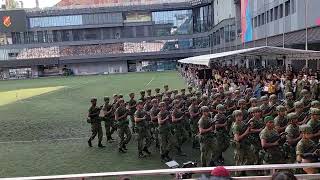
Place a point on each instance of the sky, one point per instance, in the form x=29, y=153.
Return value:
x=42, y=3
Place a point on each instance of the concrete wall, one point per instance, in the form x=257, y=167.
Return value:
x=99, y=68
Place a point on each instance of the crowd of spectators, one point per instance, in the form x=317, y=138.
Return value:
x=42, y=52
x=89, y=50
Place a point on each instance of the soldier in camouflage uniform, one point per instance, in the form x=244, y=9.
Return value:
x=281, y=120
x=242, y=108
x=293, y=136
x=314, y=123
x=315, y=104
x=273, y=154
x=142, y=96
x=149, y=93
x=314, y=88
x=165, y=133
x=95, y=121
x=306, y=99
x=175, y=93
x=302, y=115
x=194, y=112
x=178, y=118
x=288, y=85
x=154, y=119
x=253, y=102
x=132, y=109
x=158, y=94
x=190, y=92
x=257, y=126
x=124, y=132
x=242, y=146
x=221, y=127
x=142, y=130
x=208, y=141
x=183, y=94
x=306, y=145
x=229, y=104
x=272, y=106
x=166, y=89
x=299, y=87
x=289, y=102
x=264, y=104
x=205, y=101
x=107, y=116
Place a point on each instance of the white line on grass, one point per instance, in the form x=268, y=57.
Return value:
x=43, y=140
x=149, y=82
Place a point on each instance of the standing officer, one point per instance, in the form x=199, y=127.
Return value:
x=124, y=132
x=293, y=136
x=178, y=119
x=165, y=133
x=107, y=111
x=132, y=109
x=95, y=121
x=270, y=143
x=207, y=140
x=142, y=130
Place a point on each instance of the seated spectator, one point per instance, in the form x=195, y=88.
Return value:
x=283, y=176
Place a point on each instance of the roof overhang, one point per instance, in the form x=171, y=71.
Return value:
x=264, y=51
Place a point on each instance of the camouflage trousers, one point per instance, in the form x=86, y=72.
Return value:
x=181, y=134
x=154, y=132
x=167, y=141
x=208, y=149
x=143, y=138
x=109, y=126
x=272, y=156
x=96, y=130
x=124, y=134
x=194, y=130
x=223, y=140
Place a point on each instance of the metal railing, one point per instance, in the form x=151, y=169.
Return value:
x=201, y=170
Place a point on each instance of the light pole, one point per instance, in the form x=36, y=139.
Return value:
x=306, y=26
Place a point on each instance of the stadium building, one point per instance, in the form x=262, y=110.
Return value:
x=146, y=35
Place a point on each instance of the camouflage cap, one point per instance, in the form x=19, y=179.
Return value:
x=205, y=109
x=106, y=98
x=205, y=97
x=93, y=99
x=182, y=90
x=273, y=97
x=189, y=87
x=165, y=86
x=149, y=90
x=280, y=108
x=140, y=102
x=131, y=94
x=289, y=94
x=220, y=107
x=154, y=101
x=292, y=115
x=314, y=111
x=241, y=101
x=298, y=104
x=315, y=103
x=162, y=104
x=121, y=100
x=304, y=92
x=157, y=89
x=305, y=129
x=193, y=99
x=237, y=113
x=120, y=96
x=115, y=95
x=142, y=92
x=256, y=109
x=175, y=91
x=253, y=100
x=268, y=119
x=198, y=93
x=250, y=110
x=264, y=98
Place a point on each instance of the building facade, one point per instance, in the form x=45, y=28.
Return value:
x=149, y=35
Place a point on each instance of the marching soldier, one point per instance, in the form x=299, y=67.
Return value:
x=253, y=102
x=314, y=123
x=221, y=127
x=190, y=92
x=107, y=115
x=293, y=136
x=194, y=112
x=95, y=121
x=264, y=105
x=208, y=142
x=242, y=146
x=315, y=104
x=178, y=119
x=306, y=145
x=142, y=96
x=132, y=103
x=154, y=119
x=270, y=143
x=166, y=137
x=149, y=93
x=124, y=132
x=289, y=102
x=166, y=88
x=257, y=126
x=281, y=120
x=142, y=130
x=242, y=108
x=302, y=115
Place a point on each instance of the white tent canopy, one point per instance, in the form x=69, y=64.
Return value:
x=267, y=51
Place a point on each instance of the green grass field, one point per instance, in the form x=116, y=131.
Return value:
x=44, y=131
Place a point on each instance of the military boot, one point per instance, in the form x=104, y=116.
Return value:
x=145, y=149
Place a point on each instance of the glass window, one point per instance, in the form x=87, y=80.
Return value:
x=262, y=19
x=281, y=11
x=172, y=22
x=259, y=20
x=276, y=11
x=267, y=16
x=287, y=8
x=40, y=37
x=293, y=6
x=271, y=15
x=137, y=16
x=255, y=21
x=55, y=21
x=65, y=35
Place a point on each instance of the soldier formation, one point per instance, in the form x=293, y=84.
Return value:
x=263, y=130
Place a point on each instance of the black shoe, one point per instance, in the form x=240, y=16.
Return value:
x=168, y=158
x=121, y=150
x=111, y=139
x=141, y=155
x=100, y=145
x=180, y=153
x=163, y=158
x=89, y=143
x=157, y=145
x=146, y=151
x=221, y=159
x=124, y=147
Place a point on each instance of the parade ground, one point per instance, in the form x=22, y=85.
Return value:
x=44, y=129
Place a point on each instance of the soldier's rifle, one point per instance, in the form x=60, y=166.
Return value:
x=314, y=156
